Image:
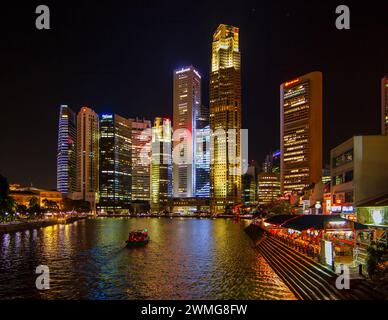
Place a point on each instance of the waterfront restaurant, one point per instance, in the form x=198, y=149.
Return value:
x=328, y=238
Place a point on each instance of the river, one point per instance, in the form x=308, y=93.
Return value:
x=185, y=259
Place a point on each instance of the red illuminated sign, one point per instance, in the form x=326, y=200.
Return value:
x=287, y=84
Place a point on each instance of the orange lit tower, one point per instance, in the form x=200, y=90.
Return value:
x=225, y=114
x=87, y=156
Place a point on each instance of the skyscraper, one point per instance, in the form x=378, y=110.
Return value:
x=384, y=105
x=161, y=165
x=187, y=103
x=202, y=154
x=141, y=153
x=225, y=114
x=115, y=164
x=66, y=156
x=87, y=156
x=301, y=132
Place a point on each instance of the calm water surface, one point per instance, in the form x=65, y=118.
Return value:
x=186, y=259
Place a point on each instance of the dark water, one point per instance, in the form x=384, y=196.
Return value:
x=186, y=259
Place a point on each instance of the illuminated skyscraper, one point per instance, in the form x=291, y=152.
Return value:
x=384, y=105
x=66, y=157
x=225, y=114
x=161, y=165
x=141, y=152
x=301, y=132
x=115, y=164
x=202, y=154
x=187, y=103
x=87, y=156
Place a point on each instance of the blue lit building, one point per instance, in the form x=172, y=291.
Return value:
x=66, y=156
x=202, y=154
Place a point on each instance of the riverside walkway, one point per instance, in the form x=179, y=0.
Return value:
x=36, y=224
x=306, y=278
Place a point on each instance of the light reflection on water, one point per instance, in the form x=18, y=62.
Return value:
x=186, y=259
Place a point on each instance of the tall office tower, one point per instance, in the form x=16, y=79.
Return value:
x=115, y=164
x=202, y=154
x=301, y=132
x=66, y=157
x=384, y=105
x=87, y=156
x=187, y=103
x=141, y=153
x=161, y=165
x=225, y=114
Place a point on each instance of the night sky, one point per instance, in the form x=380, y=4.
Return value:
x=117, y=56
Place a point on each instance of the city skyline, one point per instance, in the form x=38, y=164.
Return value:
x=206, y=151
x=260, y=107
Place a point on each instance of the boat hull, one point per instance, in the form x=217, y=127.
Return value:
x=137, y=243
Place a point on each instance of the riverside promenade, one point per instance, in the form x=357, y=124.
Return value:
x=306, y=278
x=17, y=226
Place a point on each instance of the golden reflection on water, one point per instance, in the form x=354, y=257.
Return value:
x=186, y=259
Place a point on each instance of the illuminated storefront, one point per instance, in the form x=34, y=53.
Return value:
x=374, y=213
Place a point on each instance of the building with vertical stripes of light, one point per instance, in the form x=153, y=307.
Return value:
x=66, y=156
x=301, y=132
x=225, y=114
x=87, y=156
x=115, y=164
x=141, y=152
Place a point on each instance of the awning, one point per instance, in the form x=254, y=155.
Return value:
x=280, y=218
x=317, y=222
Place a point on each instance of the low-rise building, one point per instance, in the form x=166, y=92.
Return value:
x=187, y=206
x=22, y=196
x=268, y=187
x=359, y=171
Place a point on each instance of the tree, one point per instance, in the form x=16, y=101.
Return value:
x=4, y=187
x=377, y=258
x=7, y=204
x=21, y=208
x=50, y=205
x=34, y=207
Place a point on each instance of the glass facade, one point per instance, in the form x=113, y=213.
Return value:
x=115, y=164
x=66, y=156
x=141, y=153
x=202, y=163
